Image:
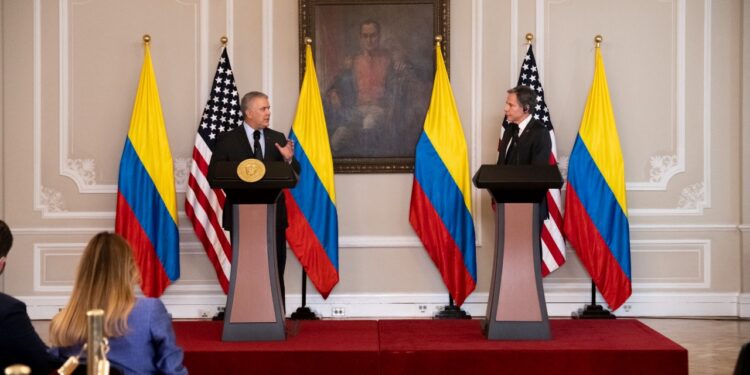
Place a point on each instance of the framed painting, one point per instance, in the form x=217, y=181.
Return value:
x=375, y=64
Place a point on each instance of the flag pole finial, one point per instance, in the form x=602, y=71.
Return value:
x=146, y=38
x=224, y=40
x=598, y=40
x=438, y=38
x=529, y=38
x=308, y=40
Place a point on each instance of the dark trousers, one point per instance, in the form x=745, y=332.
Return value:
x=281, y=257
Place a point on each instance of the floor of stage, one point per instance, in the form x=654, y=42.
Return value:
x=712, y=343
x=623, y=346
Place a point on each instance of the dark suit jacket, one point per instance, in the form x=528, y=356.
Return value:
x=19, y=342
x=235, y=146
x=533, y=148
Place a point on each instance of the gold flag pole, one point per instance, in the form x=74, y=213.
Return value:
x=308, y=41
x=146, y=39
x=598, y=40
x=438, y=41
x=529, y=38
x=224, y=40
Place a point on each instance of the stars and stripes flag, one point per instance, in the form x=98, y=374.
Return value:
x=203, y=205
x=553, y=242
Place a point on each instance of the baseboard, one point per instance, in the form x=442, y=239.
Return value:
x=367, y=306
x=744, y=305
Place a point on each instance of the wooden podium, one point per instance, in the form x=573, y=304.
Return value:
x=254, y=310
x=516, y=309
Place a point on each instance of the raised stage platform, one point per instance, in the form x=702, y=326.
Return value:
x=433, y=347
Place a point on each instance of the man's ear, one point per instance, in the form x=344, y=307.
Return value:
x=2, y=264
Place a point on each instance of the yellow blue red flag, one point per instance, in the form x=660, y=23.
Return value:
x=313, y=232
x=146, y=206
x=596, y=213
x=440, y=210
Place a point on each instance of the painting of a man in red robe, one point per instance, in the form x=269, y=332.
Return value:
x=375, y=96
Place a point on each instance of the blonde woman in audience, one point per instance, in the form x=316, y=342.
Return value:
x=139, y=330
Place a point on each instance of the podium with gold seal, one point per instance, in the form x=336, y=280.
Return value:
x=254, y=310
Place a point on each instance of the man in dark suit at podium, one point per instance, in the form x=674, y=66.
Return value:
x=525, y=140
x=254, y=140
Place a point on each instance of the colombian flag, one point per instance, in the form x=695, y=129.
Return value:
x=596, y=213
x=313, y=232
x=440, y=209
x=146, y=206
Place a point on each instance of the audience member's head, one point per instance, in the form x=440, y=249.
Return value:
x=105, y=279
x=6, y=241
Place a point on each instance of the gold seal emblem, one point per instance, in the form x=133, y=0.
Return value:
x=251, y=170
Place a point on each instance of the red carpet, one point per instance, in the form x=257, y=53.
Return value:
x=433, y=347
x=312, y=347
x=577, y=347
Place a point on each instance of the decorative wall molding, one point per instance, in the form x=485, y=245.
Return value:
x=83, y=171
x=51, y=200
x=380, y=242
x=661, y=165
x=229, y=31
x=692, y=196
x=660, y=175
x=513, y=15
x=267, y=47
x=71, y=231
x=82, y=177
x=683, y=228
x=181, y=173
x=665, y=246
x=477, y=72
x=562, y=165
x=43, y=251
x=539, y=37
x=744, y=305
x=41, y=198
x=376, y=306
x=692, y=206
x=664, y=172
x=60, y=249
x=203, y=64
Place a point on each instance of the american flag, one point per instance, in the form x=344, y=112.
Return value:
x=203, y=205
x=553, y=242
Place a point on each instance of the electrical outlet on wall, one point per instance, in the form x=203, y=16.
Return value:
x=338, y=311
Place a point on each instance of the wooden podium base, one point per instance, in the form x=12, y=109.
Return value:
x=254, y=309
x=517, y=309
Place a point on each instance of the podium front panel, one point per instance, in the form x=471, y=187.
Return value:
x=251, y=302
x=255, y=311
x=518, y=280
